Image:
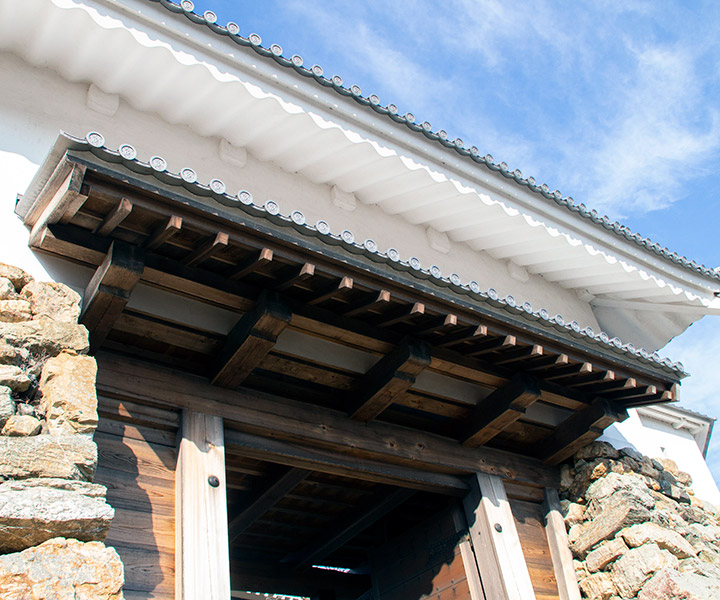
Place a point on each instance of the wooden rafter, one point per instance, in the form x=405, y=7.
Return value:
x=579, y=430
x=250, y=340
x=269, y=497
x=114, y=218
x=251, y=264
x=209, y=247
x=393, y=375
x=309, y=556
x=109, y=290
x=164, y=232
x=501, y=408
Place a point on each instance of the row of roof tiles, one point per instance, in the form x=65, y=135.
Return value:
x=275, y=52
x=243, y=199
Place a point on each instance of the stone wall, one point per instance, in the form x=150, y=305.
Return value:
x=53, y=519
x=636, y=529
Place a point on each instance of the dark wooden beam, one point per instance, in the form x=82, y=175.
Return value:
x=116, y=216
x=477, y=333
x=501, y=408
x=579, y=430
x=250, y=340
x=561, y=372
x=109, y=290
x=303, y=273
x=334, y=291
x=441, y=324
x=314, y=554
x=390, y=377
x=378, y=301
x=207, y=249
x=251, y=264
x=403, y=314
x=320, y=428
x=506, y=341
x=265, y=501
x=299, y=456
x=164, y=232
x=520, y=354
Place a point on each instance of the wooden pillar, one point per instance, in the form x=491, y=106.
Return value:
x=202, y=562
x=500, y=558
x=559, y=544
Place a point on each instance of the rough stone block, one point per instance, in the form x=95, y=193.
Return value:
x=63, y=457
x=606, y=553
x=7, y=405
x=32, y=513
x=670, y=466
x=14, y=378
x=17, y=276
x=598, y=586
x=681, y=586
x=69, y=400
x=670, y=540
x=574, y=513
x=616, y=516
x=7, y=289
x=61, y=569
x=597, y=450
x=45, y=338
x=636, y=566
x=21, y=425
x=13, y=311
x=53, y=301
x=13, y=355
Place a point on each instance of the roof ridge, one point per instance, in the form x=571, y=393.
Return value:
x=156, y=167
x=275, y=52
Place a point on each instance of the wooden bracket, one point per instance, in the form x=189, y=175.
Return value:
x=391, y=376
x=250, y=340
x=109, y=290
x=579, y=430
x=501, y=408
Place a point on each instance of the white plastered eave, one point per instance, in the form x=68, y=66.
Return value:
x=559, y=246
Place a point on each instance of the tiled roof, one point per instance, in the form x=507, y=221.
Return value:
x=156, y=167
x=275, y=52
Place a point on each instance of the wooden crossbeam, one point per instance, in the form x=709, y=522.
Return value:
x=164, y=232
x=116, y=216
x=265, y=501
x=251, y=264
x=501, y=408
x=507, y=341
x=335, y=291
x=303, y=273
x=308, y=557
x=250, y=340
x=207, y=249
x=393, y=375
x=578, y=430
x=477, y=333
x=382, y=298
x=109, y=290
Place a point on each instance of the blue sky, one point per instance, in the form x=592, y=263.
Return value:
x=614, y=103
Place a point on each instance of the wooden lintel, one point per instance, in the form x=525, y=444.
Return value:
x=207, y=249
x=501, y=408
x=114, y=218
x=506, y=341
x=109, y=290
x=265, y=414
x=265, y=501
x=578, y=430
x=382, y=298
x=333, y=463
x=344, y=534
x=164, y=232
x=250, y=340
x=251, y=264
x=303, y=273
x=390, y=377
x=335, y=291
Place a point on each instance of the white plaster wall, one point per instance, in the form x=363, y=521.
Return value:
x=659, y=440
x=37, y=103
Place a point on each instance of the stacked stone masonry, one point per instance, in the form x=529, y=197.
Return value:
x=53, y=519
x=636, y=529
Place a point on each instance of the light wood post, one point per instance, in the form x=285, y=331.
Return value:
x=202, y=561
x=500, y=558
x=560, y=547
